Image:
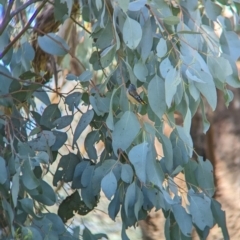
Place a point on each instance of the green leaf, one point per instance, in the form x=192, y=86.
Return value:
x=127, y=173
x=43, y=141
x=190, y=174
x=114, y=206
x=187, y=140
x=167, y=150
x=104, y=36
x=145, y=45
x=220, y=217
x=89, y=144
x=71, y=77
x=204, y=176
x=200, y=210
x=123, y=4
x=138, y=157
x=60, y=11
x=61, y=138
x=183, y=219
x=139, y=202
x=85, y=76
x=53, y=44
x=109, y=120
x=153, y=170
x=125, y=131
x=50, y=114
x=27, y=206
x=167, y=228
x=162, y=48
x=206, y=123
x=30, y=233
x=130, y=197
x=42, y=96
x=63, y=122
x=132, y=33
x=73, y=100
x=3, y=171
x=156, y=97
x=87, y=234
x=165, y=66
x=80, y=167
x=100, y=104
x=85, y=119
x=230, y=44
x=28, y=178
x=100, y=172
x=208, y=89
x=171, y=82
x=47, y=195
x=109, y=185
x=65, y=168
x=219, y=67
x=140, y=70
x=136, y=5
x=212, y=10
x=87, y=175
x=171, y=20
x=9, y=214
x=15, y=188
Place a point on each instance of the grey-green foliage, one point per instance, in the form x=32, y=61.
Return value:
x=171, y=51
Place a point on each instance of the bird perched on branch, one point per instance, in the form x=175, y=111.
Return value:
x=133, y=96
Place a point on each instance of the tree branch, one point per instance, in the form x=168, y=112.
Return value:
x=7, y=17
x=23, y=30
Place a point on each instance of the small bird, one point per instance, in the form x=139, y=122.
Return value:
x=133, y=96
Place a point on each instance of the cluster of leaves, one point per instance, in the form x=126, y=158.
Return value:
x=173, y=54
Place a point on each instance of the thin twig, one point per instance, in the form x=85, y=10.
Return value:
x=7, y=17
x=8, y=47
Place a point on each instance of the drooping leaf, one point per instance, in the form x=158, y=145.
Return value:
x=125, y=131
x=136, y=5
x=145, y=45
x=138, y=157
x=130, y=197
x=204, y=176
x=132, y=33
x=28, y=178
x=109, y=185
x=157, y=97
x=183, y=219
x=3, y=171
x=65, y=168
x=50, y=114
x=140, y=70
x=73, y=100
x=161, y=48
x=127, y=173
x=200, y=210
x=90, y=140
x=220, y=217
x=85, y=119
x=109, y=120
x=27, y=205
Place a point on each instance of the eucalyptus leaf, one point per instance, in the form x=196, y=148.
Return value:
x=85, y=119
x=125, y=131
x=53, y=44
x=132, y=33
x=157, y=97
x=109, y=185
x=138, y=157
